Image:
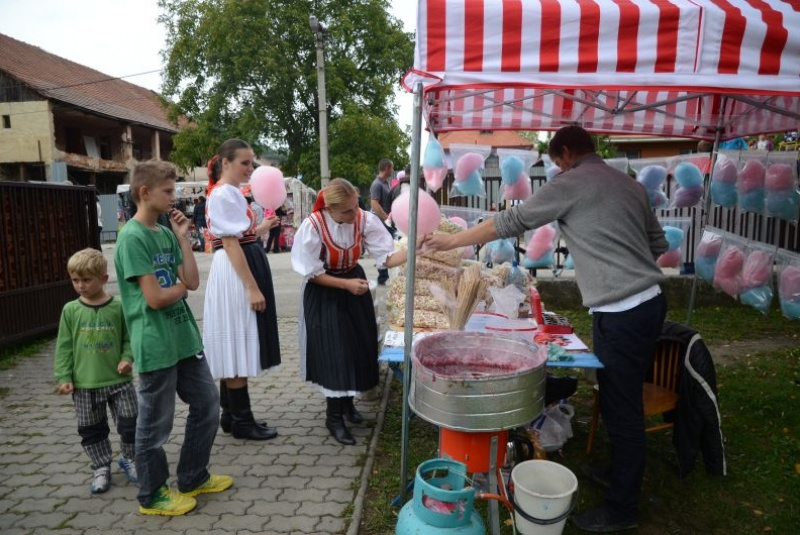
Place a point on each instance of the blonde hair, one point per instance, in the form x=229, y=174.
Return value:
x=87, y=263
x=337, y=192
x=152, y=174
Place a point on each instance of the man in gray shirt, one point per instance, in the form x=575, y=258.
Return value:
x=614, y=238
x=381, y=203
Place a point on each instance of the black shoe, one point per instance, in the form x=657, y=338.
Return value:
x=351, y=413
x=225, y=422
x=599, y=521
x=340, y=432
x=601, y=476
x=243, y=425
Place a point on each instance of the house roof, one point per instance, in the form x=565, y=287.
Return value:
x=59, y=79
x=493, y=138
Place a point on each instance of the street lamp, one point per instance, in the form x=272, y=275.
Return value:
x=320, y=33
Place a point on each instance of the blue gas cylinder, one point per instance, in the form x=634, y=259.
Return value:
x=441, y=505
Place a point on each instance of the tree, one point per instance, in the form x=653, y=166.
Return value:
x=247, y=68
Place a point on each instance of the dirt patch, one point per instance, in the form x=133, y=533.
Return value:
x=730, y=352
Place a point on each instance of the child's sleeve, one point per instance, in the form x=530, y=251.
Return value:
x=126, y=353
x=135, y=259
x=64, y=358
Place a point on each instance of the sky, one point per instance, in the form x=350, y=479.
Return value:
x=122, y=37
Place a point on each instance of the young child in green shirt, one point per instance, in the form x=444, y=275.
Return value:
x=155, y=270
x=93, y=363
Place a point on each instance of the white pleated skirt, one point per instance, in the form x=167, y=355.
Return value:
x=230, y=329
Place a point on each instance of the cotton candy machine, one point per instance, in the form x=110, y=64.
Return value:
x=470, y=381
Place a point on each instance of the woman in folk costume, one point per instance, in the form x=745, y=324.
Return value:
x=240, y=323
x=338, y=333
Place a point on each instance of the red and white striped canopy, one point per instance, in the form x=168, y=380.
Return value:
x=666, y=67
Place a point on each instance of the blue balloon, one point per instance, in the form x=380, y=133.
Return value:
x=688, y=175
x=473, y=185
x=724, y=193
x=783, y=204
x=511, y=169
x=759, y=298
x=674, y=237
x=652, y=176
x=753, y=200
x=704, y=267
x=434, y=154
x=790, y=309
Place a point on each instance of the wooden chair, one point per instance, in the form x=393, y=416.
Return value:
x=660, y=388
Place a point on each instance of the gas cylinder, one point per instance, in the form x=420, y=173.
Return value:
x=441, y=504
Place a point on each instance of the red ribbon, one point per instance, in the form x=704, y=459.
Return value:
x=320, y=203
x=210, y=169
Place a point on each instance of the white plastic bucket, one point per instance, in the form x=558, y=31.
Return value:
x=543, y=490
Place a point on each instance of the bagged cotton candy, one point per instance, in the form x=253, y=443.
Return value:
x=520, y=190
x=657, y=198
x=674, y=237
x=473, y=185
x=652, y=177
x=511, y=169
x=688, y=175
x=268, y=187
x=706, y=256
x=541, y=242
x=757, y=269
x=459, y=221
x=545, y=262
x=725, y=170
x=790, y=309
x=779, y=176
x=728, y=270
x=569, y=263
x=789, y=284
x=428, y=213
x=687, y=197
x=434, y=177
x=499, y=251
x=759, y=298
x=434, y=167
x=670, y=259
x=753, y=200
x=552, y=172
x=751, y=177
x=724, y=193
x=704, y=266
x=468, y=165
x=783, y=204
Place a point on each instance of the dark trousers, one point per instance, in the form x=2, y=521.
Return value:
x=273, y=240
x=383, y=274
x=624, y=342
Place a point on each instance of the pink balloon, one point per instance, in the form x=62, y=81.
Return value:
x=725, y=171
x=519, y=190
x=434, y=177
x=428, y=213
x=541, y=242
x=779, y=177
x=268, y=187
x=789, y=283
x=670, y=259
x=751, y=176
x=468, y=164
x=459, y=221
x=757, y=270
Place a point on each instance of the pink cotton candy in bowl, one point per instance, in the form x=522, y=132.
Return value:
x=779, y=176
x=520, y=190
x=541, y=242
x=789, y=284
x=268, y=187
x=468, y=164
x=670, y=259
x=725, y=171
x=459, y=221
x=434, y=177
x=751, y=176
x=428, y=213
x=757, y=270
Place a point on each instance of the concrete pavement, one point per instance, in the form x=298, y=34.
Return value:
x=303, y=482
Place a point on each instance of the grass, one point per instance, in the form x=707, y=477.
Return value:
x=10, y=356
x=758, y=393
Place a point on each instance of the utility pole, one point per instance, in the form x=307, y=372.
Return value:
x=320, y=33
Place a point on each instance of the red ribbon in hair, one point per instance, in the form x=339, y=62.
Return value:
x=210, y=170
x=320, y=203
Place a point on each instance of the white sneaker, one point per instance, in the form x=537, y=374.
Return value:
x=101, y=481
x=129, y=467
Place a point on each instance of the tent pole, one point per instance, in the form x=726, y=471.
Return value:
x=411, y=263
x=707, y=205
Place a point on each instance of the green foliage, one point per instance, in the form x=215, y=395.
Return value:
x=248, y=69
x=604, y=147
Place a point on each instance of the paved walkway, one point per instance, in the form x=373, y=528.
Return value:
x=303, y=482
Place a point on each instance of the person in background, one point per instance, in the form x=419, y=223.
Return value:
x=99, y=221
x=93, y=362
x=240, y=321
x=337, y=326
x=615, y=244
x=764, y=143
x=155, y=271
x=273, y=242
x=737, y=143
x=381, y=203
x=199, y=219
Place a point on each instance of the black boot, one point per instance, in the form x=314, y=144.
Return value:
x=225, y=418
x=335, y=423
x=350, y=411
x=243, y=425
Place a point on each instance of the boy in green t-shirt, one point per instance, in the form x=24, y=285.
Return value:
x=155, y=269
x=93, y=363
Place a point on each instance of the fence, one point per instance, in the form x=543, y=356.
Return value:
x=41, y=226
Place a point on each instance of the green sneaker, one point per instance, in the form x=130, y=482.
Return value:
x=168, y=502
x=215, y=483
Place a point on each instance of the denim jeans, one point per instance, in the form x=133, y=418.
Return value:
x=191, y=379
x=624, y=342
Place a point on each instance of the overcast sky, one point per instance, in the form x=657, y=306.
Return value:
x=120, y=37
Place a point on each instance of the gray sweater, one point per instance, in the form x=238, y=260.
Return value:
x=606, y=220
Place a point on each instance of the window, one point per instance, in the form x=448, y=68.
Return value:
x=6, y=121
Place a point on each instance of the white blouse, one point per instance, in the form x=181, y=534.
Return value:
x=226, y=212
x=308, y=243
